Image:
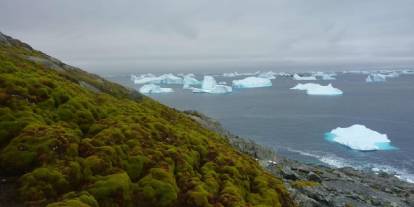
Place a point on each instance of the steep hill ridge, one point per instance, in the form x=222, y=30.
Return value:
x=70, y=138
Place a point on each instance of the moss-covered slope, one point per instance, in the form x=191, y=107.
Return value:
x=75, y=139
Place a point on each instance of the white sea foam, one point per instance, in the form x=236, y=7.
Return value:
x=339, y=162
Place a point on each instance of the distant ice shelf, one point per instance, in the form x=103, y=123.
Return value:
x=316, y=89
x=359, y=137
x=252, y=82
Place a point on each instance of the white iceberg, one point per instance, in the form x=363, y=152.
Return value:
x=170, y=79
x=209, y=85
x=407, y=72
x=145, y=78
x=231, y=75
x=376, y=77
x=303, y=78
x=284, y=74
x=268, y=75
x=152, y=88
x=325, y=76
x=235, y=74
x=252, y=82
x=391, y=74
x=190, y=80
x=151, y=78
x=316, y=89
x=359, y=137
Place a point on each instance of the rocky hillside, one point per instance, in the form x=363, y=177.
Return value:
x=70, y=138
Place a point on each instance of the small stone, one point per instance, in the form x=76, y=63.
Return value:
x=288, y=173
x=314, y=177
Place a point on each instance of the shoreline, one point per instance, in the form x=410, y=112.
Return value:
x=321, y=185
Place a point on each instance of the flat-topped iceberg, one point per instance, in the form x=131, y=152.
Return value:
x=190, y=80
x=268, y=75
x=359, y=137
x=145, y=78
x=151, y=78
x=209, y=85
x=252, y=82
x=303, y=78
x=170, y=79
x=376, y=77
x=152, y=88
x=316, y=89
x=325, y=75
x=235, y=74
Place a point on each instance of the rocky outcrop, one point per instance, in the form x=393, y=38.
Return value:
x=313, y=185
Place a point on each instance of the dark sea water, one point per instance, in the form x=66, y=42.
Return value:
x=294, y=123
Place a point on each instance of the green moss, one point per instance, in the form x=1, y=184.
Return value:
x=158, y=189
x=112, y=190
x=74, y=200
x=43, y=184
x=304, y=184
x=68, y=130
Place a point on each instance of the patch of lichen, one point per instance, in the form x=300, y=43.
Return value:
x=304, y=184
x=74, y=146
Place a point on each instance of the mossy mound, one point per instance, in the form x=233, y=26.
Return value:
x=75, y=139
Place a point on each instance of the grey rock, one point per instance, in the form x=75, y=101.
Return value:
x=314, y=177
x=287, y=173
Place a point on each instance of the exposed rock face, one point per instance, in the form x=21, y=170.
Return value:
x=344, y=186
x=319, y=186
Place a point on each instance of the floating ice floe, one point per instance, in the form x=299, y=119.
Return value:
x=190, y=80
x=209, y=85
x=325, y=76
x=145, y=78
x=407, y=72
x=303, y=78
x=316, y=89
x=359, y=137
x=252, y=82
x=376, y=77
x=152, y=88
x=235, y=74
x=268, y=75
x=170, y=79
x=284, y=74
x=151, y=78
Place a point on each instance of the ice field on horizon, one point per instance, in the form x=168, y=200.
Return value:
x=359, y=137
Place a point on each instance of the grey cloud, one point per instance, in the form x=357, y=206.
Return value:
x=177, y=34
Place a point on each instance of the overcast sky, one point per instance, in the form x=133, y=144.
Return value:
x=142, y=35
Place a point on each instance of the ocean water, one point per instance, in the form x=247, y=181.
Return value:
x=294, y=123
